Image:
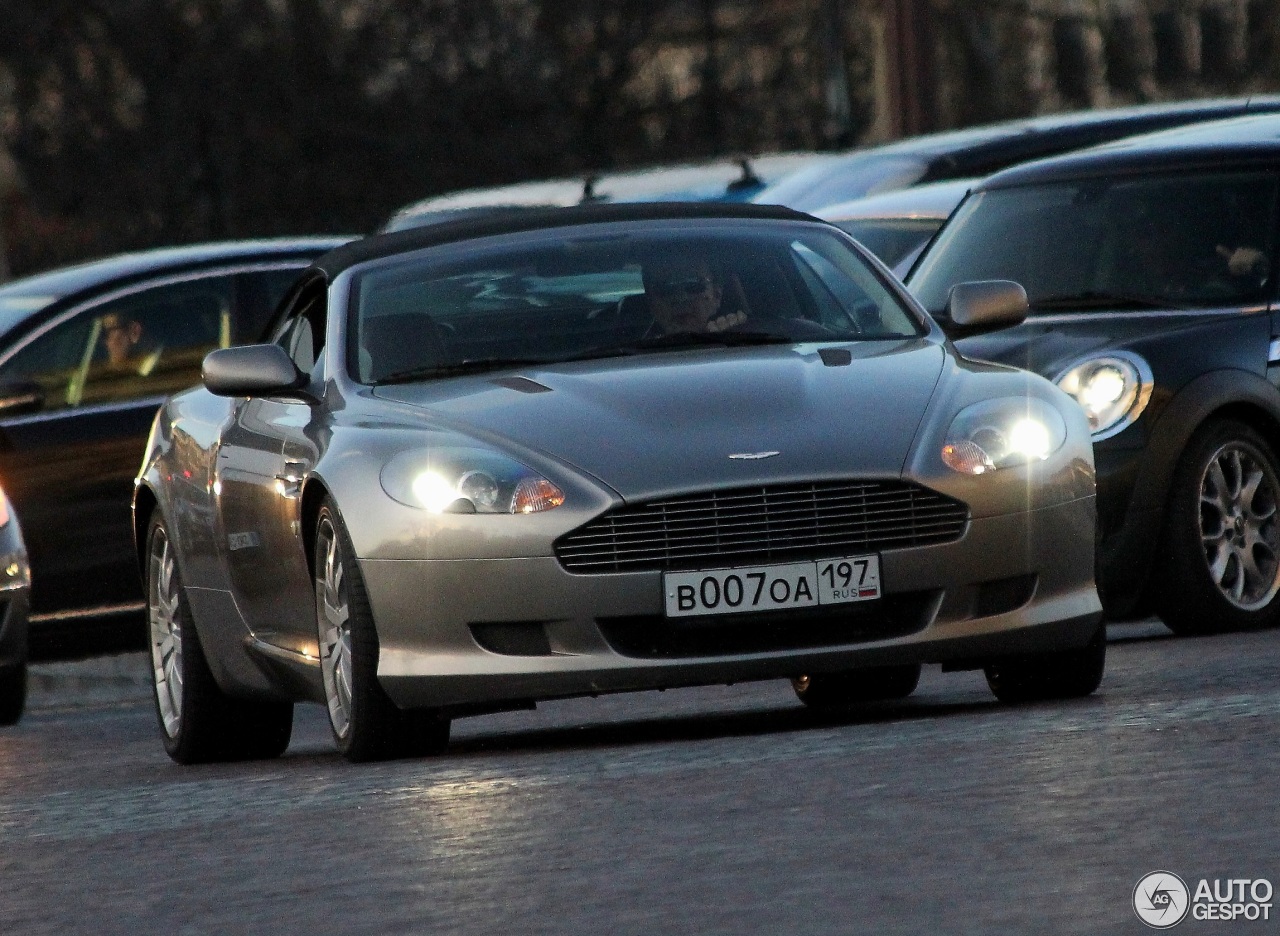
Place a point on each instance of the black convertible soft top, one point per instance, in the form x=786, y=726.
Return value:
x=447, y=232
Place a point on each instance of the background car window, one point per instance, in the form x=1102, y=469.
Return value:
x=1178, y=240
x=891, y=239
x=148, y=343
x=52, y=362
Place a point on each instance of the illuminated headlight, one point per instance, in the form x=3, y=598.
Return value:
x=1112, y=389
x=4, y=511
x=467, y=480
x=1002, y=433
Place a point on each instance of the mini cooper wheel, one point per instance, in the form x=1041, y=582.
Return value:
x=1061, y=674
x=833, y=691
x=199, y=723
x=366, y=724
x=1219, y=569
x=13, y=692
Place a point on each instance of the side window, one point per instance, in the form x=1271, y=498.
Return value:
x=303, y=333
x=148, y=343
x=53, y=363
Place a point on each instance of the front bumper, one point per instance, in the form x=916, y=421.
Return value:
x=1018, y=583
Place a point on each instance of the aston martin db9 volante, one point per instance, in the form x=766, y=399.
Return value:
x=598, y=449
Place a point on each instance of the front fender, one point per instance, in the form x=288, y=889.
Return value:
x=1125, y=559
x=1186, y=412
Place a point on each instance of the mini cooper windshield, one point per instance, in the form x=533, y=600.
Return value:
x=547, y=299
x=1171, y=241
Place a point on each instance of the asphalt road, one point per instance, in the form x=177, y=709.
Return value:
x=718, y=810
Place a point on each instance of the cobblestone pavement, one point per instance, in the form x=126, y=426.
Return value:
x=717, y=810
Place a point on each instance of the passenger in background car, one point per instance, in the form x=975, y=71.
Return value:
x=126, y=344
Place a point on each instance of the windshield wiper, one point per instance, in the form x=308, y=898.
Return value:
x=1098, y=299
x=663, y=342
x=472, y=366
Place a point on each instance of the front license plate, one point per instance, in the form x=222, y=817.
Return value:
x=772, y=588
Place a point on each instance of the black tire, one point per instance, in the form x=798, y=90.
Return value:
x=1197, y=594
x=835, y=691
x=199, y=723
x=366, y=724
x=1062, y=674
x=13, y=693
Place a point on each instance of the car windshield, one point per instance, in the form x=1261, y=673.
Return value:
x=619, y=290
x=1171, y=241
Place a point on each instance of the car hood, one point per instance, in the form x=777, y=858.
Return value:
x=658, y=424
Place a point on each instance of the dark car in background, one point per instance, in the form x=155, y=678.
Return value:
x=1151, y=270
x=87, y=355
x=980, y=151
x=15, y=584
x=896, y=226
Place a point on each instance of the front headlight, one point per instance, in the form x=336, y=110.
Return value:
x=467, y=480
x=1112, y=389
x=1002, y=433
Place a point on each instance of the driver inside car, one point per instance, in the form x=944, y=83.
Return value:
x=685, y=296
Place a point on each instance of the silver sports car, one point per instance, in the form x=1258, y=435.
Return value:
x=599, y=449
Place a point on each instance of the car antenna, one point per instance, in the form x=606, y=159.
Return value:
x=589, y=189
x=747, y=180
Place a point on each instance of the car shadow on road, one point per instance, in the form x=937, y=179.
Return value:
x=721, y=725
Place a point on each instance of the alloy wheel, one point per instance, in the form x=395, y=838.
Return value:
x=1238, y=498
x=333, y=611
x=165, y=626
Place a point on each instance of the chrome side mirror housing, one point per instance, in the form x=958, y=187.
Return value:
x=251, y=370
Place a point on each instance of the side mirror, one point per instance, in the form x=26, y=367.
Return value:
x=983, y=306
x=17, y=399
x=251, y=370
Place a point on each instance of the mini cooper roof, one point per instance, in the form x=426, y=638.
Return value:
x=1240, y=140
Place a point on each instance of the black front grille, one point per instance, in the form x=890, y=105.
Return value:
x=770, y=523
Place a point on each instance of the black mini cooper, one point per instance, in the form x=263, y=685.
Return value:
x=1150, y=270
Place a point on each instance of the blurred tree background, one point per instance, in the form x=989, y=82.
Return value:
x=135, y=123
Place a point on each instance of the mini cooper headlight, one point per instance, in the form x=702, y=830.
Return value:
x=1112, y=389
x=1002, y=433
x=467, y=480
